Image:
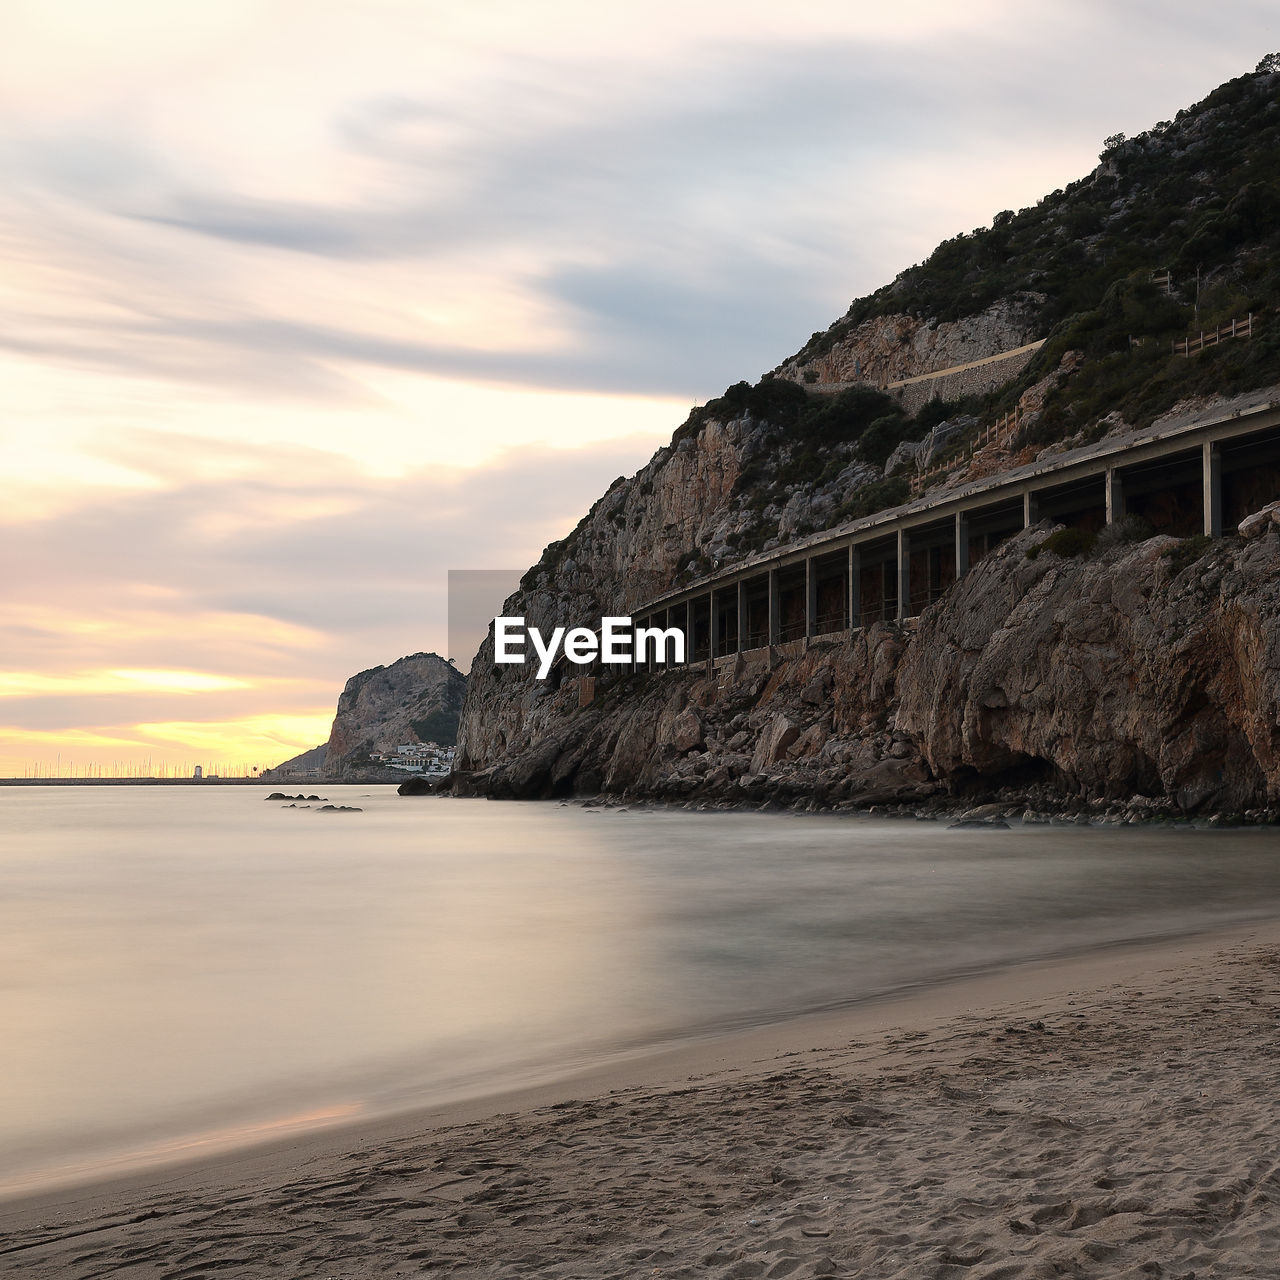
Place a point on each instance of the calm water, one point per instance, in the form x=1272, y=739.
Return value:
x=186, y=968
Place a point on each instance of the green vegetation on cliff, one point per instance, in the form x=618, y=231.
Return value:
x=1194, y=193
x=1197, y=197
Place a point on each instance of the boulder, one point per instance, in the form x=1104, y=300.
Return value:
x=775, y=740
x=1253, y=526
x=907, y=453
x=686, y=732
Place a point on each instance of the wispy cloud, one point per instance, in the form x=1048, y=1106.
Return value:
x=267, y=586
x=679, y=224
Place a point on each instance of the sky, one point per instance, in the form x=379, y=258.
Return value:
x=304, y=303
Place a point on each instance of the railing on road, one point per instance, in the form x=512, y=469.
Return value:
x=999, y=429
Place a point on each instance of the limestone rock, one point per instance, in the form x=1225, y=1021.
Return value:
x=780, y=734
x=1108, y=676
x=889, y=348
x=1253, y=526
x=907, y=453
x=687, y=731
x=415, y=699
x=1112, y=677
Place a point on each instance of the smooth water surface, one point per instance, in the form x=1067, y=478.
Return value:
x=187, y=968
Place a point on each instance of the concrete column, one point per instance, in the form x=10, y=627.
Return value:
x=1115, y=495
x=810, y=598
x=962, y=545
x=1030, y=509
x=855, y=587
x=904, y=574
x=1212, y=467
x=713, y=624
x=775, y=608
x=742, y=615
x=688, y=633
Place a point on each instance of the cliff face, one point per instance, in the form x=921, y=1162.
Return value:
x=1122, y=675
x=626, y=549
x=1093, y=678
x=691, y=508
x=888, y=348
x=416, y=699
x=1033, y=681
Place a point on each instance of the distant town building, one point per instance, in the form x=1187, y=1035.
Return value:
x=417, y=757
x=199, y=773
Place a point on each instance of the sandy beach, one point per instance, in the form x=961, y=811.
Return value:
x=1107, y=1115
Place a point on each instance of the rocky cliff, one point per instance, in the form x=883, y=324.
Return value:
x=889, y=348
x=1100, y=270
x=689, y=509
x=1150, y=670
x=415, y=699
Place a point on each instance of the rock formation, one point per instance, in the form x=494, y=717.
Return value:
x=1132, y=673
x=1148, y=669
x=415, y=699
x=1151, y=669
x=887, y=349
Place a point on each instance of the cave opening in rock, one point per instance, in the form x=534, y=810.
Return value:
x=1018, y=770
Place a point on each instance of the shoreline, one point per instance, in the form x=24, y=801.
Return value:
x=989, y=810
x=869, y=1041
x=184, y=782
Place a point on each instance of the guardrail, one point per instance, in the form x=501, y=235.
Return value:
x=1001, y=427
x=1236, y=329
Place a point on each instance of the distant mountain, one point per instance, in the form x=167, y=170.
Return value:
x=416, y=699
x=304, y=763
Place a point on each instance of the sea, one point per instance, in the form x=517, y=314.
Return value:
x=190, y=969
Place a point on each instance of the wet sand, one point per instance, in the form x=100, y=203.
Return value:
x=1108, y=1115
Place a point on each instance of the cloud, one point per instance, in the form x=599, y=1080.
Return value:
x=677, y=227
x=264, y=587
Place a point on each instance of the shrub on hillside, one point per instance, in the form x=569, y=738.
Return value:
x=1065, y=543
x=1186, y=552
x=1122, y=532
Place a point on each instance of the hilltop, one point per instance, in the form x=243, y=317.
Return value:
x=417, y=698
